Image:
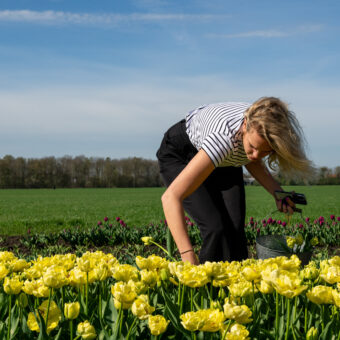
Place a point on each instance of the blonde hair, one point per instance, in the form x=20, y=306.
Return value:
x=274, y=122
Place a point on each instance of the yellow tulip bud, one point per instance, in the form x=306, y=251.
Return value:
x=147, y=240
x=164, y=274
x=86, y=330
x=22, y=300
x=157, y=324
x=71, y=310
x=290, y=241
x=312, y=334
x=314, y=241
x=299, y=239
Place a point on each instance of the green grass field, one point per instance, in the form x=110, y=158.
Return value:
x=44, y=210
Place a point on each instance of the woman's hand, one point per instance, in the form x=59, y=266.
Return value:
x=191, y=257
x=286, y=205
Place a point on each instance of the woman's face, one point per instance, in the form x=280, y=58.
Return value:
x=255, y=146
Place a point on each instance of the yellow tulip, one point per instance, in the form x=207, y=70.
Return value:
x=192, y=276
x=310, y=272
x=216, y=270
x=236, y=332
x=153, y=262
x=336, y=297
x=192, y=321
x=240, y=314
x=86, y=330
x=288, y=285
x=157, y=324
x=290, y=241
x=213, y=320
x=265, y=288
x=101, y=272
x=55, y=277
x=12, y=286
x=124, y=293
x=206, y=320
x=330, y=274
x=54, y=316
x=149, y=277
x=251, y=273
x=141, y=307
x=71, y=310
x=321, y=295
x=85, y=263
x=3, y=271
x=6, y=256
x=19, y=265
x=77, y=277
x=241, y=288
x=125, y=272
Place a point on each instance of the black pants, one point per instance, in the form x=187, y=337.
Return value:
x=217, y=206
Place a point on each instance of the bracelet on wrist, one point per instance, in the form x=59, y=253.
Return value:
x=186, y=251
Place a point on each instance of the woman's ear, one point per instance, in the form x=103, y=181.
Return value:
x=244, y=125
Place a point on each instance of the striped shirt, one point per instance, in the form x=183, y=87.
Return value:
x=216, y=128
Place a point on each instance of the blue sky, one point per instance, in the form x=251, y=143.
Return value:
x=107, y=78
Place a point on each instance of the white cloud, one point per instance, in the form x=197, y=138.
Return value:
x=59, y=17
x=270, y=33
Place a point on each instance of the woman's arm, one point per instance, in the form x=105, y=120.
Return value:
x=260, y=172
x=191, y=177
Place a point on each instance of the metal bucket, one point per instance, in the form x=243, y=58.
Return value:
x=269, y=246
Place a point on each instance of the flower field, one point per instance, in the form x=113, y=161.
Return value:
x=92, y=283
x=95, y=296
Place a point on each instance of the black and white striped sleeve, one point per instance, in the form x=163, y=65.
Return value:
x=217, y=146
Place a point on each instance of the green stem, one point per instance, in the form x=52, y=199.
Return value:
x=179, y=293
x=295, y=306
x=100, y=303
x=71, y=329
x=277, y=315
x=166, y=252
x=86, y=293
x=227, y=329
x=306, y=315
x=62, y=296
x=9, y=316
x=48, y=306
x=323, y=317
x=288, y=318
x=133, y=323
x=253, y=306
x=117, y=321
x=182, y=299
x=191, y=298
x=121, y=323
x=208, y=291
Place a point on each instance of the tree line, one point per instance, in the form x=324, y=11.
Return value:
x=96, y=172
x=78, y=172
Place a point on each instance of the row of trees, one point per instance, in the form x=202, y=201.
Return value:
x=78, y=172
x=84, y=172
